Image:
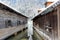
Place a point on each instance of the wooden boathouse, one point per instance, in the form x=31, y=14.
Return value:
x=10, y=18
x=11, y=21
x=48, y=21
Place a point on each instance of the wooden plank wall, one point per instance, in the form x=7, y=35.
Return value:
x=6, y=15
x=51, y=19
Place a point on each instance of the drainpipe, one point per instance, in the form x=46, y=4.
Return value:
x=30, y=28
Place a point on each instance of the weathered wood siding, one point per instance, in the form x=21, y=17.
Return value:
x=52, y=20
x=10, y=18
x=58, y=18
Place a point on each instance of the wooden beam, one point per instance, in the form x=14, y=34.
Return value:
x=58, y=19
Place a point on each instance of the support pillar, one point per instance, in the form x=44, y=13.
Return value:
x=15, y=34
x=58, y=17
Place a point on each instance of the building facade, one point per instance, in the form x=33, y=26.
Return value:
x=10, y=18
x=49, y=23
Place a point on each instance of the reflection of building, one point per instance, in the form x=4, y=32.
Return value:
x=10, y=18
x=49, y=21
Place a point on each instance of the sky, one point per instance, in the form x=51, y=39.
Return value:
x=52, y=0
x=26, y=7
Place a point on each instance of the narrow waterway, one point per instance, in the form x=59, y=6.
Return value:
x=22, y=35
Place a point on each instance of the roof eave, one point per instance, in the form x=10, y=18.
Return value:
x=13, y=9
x=50, y=8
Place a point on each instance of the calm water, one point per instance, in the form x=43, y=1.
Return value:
x=23, y=36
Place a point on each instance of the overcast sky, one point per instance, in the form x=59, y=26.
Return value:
x=26, y=7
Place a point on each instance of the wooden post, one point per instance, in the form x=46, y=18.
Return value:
x=15, y=34
x=58, y=19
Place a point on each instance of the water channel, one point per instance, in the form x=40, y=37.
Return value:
x=22, y=35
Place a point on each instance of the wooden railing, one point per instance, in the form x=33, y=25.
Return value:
x=43, y=33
